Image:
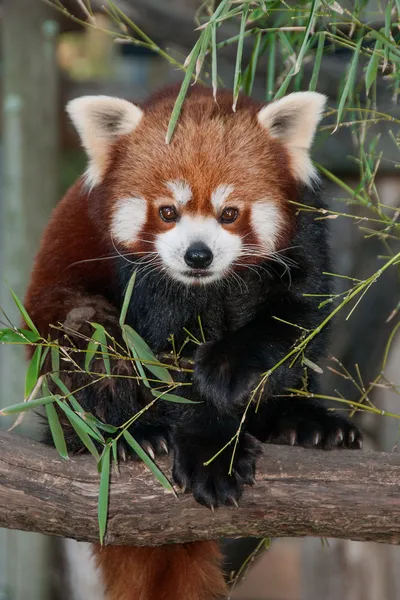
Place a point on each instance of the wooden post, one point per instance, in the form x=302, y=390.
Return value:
x=29, y=191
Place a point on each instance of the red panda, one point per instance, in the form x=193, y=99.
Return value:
x=207, y=223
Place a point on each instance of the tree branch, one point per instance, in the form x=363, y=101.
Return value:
x=346, y=494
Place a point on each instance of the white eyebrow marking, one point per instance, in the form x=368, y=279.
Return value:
x=220, y=194
x=181, y=191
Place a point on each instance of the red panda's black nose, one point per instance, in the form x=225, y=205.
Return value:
x=198, y=256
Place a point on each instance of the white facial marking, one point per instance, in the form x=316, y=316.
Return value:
x=128, y=219
x=181, y=191
x=173, y=244
x=266, y=221
x=220, y=194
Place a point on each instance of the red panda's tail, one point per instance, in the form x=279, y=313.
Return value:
x=175, y=572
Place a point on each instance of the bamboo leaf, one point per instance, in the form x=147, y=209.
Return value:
x=203, y=50
x=114, y=446
x=317, y=62
x=90, y=418
x=30, y=404
x=284, y=85
x=104, y=492
x=127, y=299
x=306, y=361
x=144, y=353
x=84, y=437
x=173, y=398
x=80, y=423
x=32, y=374
x=238, y=67
x=251, y=69
x=304, y=45
x=214, y=65
x=159, y=475
x=18, y=336
x=349, y=83
x=98, y=339
x=55, y=359
x=271, y=66
x=56, y=430
x=176, y=111
x=126, y=337
x=373, y=65
x=24, y=313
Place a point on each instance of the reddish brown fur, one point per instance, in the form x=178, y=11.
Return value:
x=175, y=572
x=211, y=146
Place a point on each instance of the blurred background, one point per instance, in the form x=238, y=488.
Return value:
x=46, y=59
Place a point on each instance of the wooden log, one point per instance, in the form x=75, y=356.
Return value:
x=344, y=494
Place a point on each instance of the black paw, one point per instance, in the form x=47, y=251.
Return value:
x=153, y=440
x=212, y=485
x=220, y=375
x=328, y=431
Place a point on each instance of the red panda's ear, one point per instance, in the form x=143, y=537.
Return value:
x=100, y=120
x=294, y=121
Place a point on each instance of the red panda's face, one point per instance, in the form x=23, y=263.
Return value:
x=212, y=202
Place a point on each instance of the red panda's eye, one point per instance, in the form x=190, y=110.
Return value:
x=168, y=213
x=229, y=215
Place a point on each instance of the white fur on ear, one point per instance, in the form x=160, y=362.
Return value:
x=100, y=120
x=294, y=121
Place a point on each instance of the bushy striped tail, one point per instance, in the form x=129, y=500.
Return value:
x=174, y=572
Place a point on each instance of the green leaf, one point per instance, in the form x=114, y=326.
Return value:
x=373, y=65
x=74, y=418
x=90, y=418
x=271, y=66
x=102, y=338
x=18, y=336
x=142, y=350
x=32, y=374
x=24, y=406
x=317, y=62
x=125, y=335
x=203, y=50
x=104, y=492
x=304, y=45
x=56, y=430
x=84, y=437
x=349, y=83
x=214, y=65
x=173, y=398
x=97, y=340
x=24, y=313
x=176, y=111
x=114, y=446
x=44, y=356
x=55, y=359
x=251, y=69
x=148, y=462
x=238, y=67
x=309, y=363
x=127, y=299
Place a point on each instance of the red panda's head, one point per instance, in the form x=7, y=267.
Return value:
x=213, y=200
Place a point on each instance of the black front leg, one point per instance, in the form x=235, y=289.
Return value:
x=199, y=435
x=227, y=370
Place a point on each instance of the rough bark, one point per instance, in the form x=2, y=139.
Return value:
x=346, y=494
